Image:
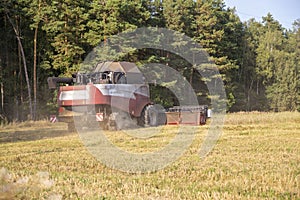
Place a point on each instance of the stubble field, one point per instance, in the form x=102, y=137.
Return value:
x=256, y=157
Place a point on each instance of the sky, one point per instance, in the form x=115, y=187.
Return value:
x=284, y=11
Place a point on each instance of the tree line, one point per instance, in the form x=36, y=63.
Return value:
x=258, y=61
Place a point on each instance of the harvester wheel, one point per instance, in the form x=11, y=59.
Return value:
x=153, y=115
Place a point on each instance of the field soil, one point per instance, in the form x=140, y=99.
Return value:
x=256, y=157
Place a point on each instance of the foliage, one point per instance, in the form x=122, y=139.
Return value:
x=258, y=61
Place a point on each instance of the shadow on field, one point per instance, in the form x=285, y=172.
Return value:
x=32, y=133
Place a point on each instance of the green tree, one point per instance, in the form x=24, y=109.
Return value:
x=64, y=25
x=178, y=15
x=254, y=96
x=270, y=41
x=220, y=32
x=295, y=41
x=34, y=9
x=156, y=10
x=15, y=23
x=110, y=17
x=282, y=94
x=276, y=65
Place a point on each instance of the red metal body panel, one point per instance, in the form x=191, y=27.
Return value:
x=96, y=97
x=87, y=95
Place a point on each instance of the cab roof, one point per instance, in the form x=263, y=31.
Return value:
x=126, y=67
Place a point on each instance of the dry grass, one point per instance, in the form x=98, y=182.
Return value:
x=257, y=157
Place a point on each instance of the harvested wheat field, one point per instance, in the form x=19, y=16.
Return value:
x=256, y=157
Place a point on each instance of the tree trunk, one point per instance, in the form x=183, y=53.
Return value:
x=2, y=97
x=25, y=66
x=34, y=72
x=249, y=96
x=1, y=90
x=19, y=102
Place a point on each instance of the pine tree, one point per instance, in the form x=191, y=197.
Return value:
x=156, y=10
x=13, y=15
x=107, y=18
x=219, y=31
x=65, y=26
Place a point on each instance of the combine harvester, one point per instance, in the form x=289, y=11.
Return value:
x=116, y=96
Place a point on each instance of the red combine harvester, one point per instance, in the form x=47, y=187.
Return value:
x=116, y=96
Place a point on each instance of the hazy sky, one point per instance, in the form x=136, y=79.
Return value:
x=284, y=11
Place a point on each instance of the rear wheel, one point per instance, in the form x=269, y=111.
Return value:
x=153, y=115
